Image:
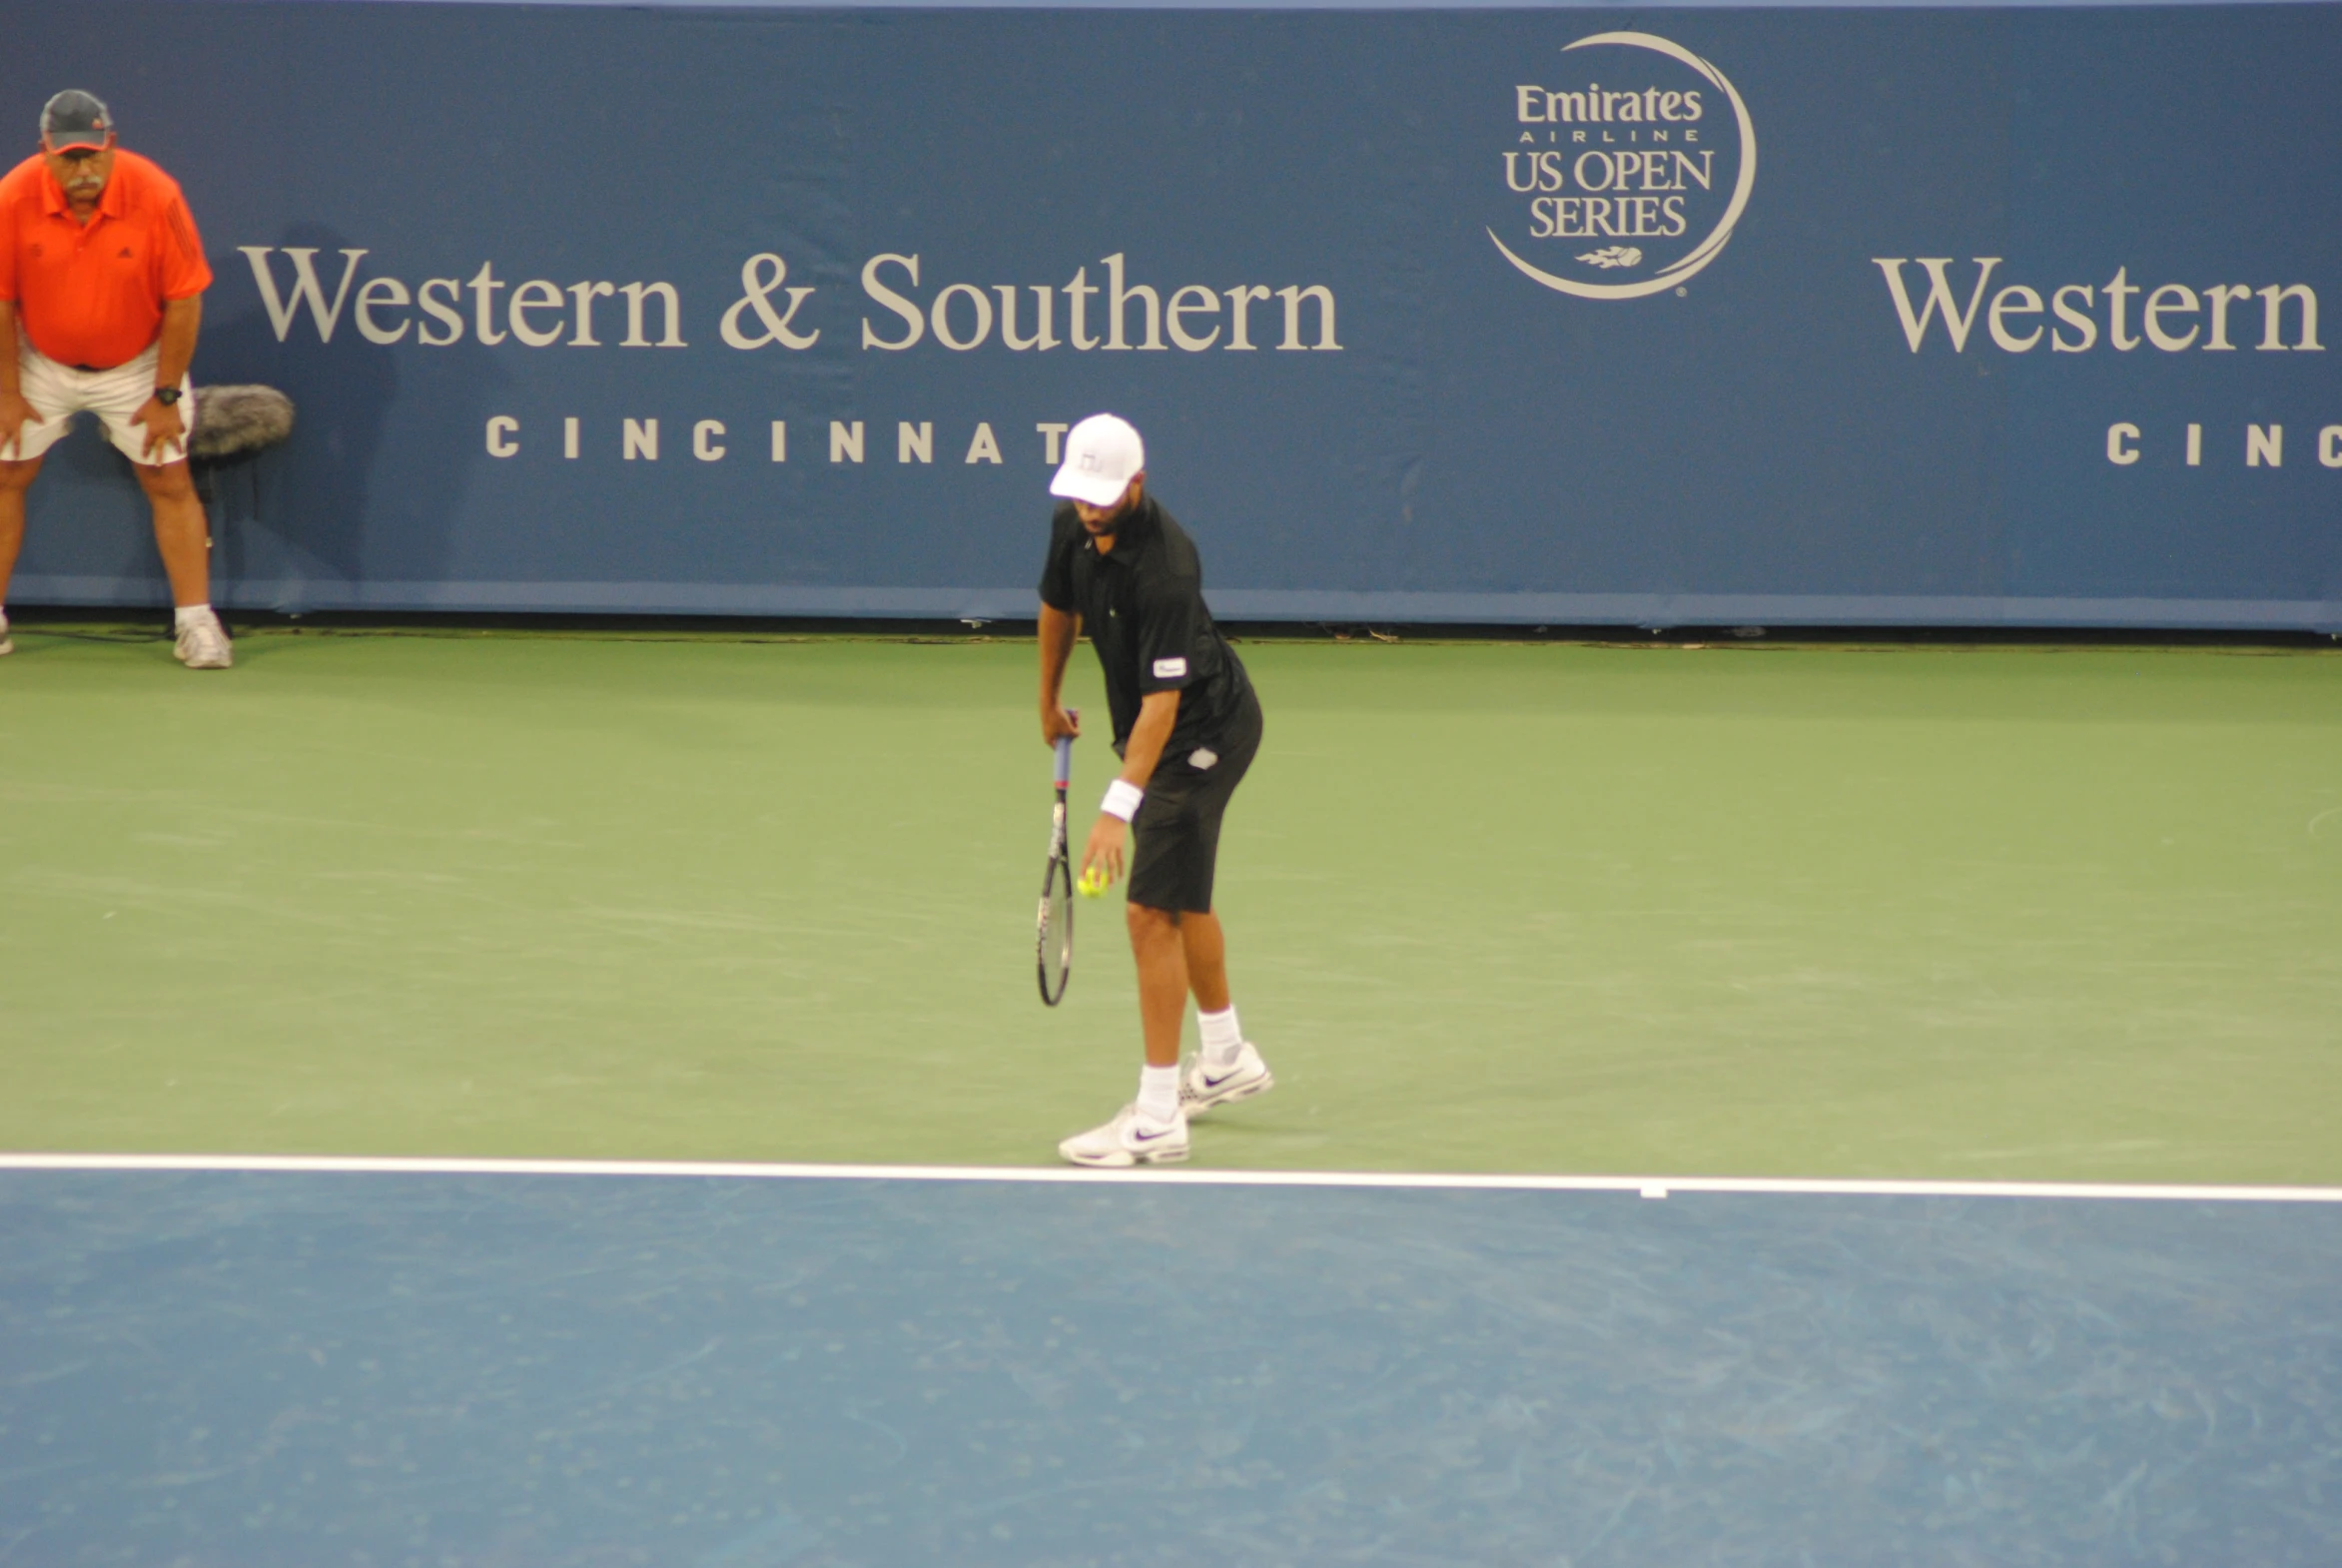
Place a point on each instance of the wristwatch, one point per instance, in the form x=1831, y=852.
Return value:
x=167, y=397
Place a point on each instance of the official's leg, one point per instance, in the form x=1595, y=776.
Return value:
x=182, y=532
x=48, y=389
x=15, y=479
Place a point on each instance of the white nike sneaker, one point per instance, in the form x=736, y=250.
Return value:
x=203, y=644
x=1126, y=1141
x=1204, y=1086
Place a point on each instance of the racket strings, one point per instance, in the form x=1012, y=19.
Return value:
x=1056, y=930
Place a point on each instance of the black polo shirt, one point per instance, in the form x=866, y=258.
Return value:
x=1142, y=605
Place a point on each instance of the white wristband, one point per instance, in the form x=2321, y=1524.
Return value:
x=1121, y=799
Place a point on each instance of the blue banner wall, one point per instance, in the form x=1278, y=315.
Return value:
x=1665, y=316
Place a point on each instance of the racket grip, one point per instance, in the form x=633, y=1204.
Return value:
x=1064, y=768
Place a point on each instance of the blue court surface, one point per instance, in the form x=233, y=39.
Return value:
x=400, y=1365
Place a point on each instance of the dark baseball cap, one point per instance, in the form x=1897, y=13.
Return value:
x=75, y=119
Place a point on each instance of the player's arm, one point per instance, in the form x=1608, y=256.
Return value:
x=1159, y=711
x=1059, y=628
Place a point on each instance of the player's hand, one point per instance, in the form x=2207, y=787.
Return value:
x=15, y=414
x=1105, y=849
x=165, y=430
x=1056, y=722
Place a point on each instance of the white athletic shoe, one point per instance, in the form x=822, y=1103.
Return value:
x=1203, y=1086
x=203, y=644
x=1126, y=1141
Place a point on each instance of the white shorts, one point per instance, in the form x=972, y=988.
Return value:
x=58, y=392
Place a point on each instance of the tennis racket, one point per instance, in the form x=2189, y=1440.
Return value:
x=1056, y=946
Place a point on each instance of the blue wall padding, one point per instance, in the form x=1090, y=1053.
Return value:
x=1473, y=437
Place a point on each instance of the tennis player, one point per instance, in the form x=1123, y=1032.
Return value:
x=102, y=278
x=1187, y=725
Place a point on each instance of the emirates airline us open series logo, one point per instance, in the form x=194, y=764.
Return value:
x=1628, y=181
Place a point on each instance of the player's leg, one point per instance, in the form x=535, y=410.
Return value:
x=15, y=480
x=1152, y=1129
x=1228, y=1068
x=1170, y=880
x=1157, y=942
x=1204, y=947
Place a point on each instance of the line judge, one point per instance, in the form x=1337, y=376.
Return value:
x=1187, y=725
x=102, y=278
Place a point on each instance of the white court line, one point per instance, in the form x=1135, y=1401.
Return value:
x=1647, y=1187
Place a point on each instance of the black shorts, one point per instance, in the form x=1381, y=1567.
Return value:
x=1178, y=821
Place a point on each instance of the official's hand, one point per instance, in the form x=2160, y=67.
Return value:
x=165, y=430
x=1055, y=721
x=15, y=414
x=1105, y=849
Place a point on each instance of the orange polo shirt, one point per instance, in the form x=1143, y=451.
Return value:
x=92, y=295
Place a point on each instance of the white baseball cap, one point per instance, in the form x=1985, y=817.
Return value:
x=1102, y=454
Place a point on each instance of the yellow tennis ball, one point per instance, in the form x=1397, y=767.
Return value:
x=1092, y=885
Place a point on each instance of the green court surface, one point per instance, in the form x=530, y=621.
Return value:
x=1968, y=911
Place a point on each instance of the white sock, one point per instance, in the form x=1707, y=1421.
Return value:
x=1158, y=1093
x=187, y=614
x=1222, y=1038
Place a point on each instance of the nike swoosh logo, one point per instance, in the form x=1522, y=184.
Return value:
x=1140, y=1135
x=1214, y=1082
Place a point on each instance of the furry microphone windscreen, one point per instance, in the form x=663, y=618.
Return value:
x=231, y=421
